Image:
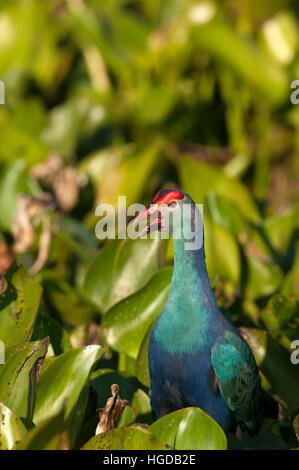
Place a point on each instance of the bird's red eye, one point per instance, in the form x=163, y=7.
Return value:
x=172, y=204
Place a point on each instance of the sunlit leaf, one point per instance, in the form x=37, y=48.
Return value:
x=18, y=307
x=189, y=429
x=12, y=428
x=121, y=268
x=126, y=323
x=20, y=377
x=125, y=438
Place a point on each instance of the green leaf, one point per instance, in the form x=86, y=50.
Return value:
x=12, y=428
x=46, y=326
x=66, y=302
x=63, y=384
x=281, y=316
x=189, y=429
x=199, y=178
x=18, y=307
x=13, y=181
x=126, y=323
x=275, y=363
x=20, y=376
x=142, y=405
x=142, y=368
x=47, y=435
x=121, y=268
x=124, y=438
x=262, y=279
x=222, y=252
x=225, y=212
x=221, y=41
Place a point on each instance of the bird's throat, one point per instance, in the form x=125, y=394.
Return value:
x=191, y=309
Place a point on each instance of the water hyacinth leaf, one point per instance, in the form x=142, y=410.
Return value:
x=222, y=42
x=46, y=326
x=126, y=323
x=281, y=316
x=20, y=148
x=142, y=406
x=63, y=380
x=274, y=361
x=12, y=428
x=78, y=238
x=142, y=368
x=13, y=181
x=134, y=164
x=121, y=268
x=20, y=377
x=224, y=212
x=47, y=435
x=127, y=417
x=199, y=178
x=18, y=306
x=262, y=278
x=125, y=438
x=222, y=252
x=67, y=303
x=189, y=429
x=279, y=229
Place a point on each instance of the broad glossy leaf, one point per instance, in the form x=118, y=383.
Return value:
x=279, y=230
x=12, y=428
x=121, y=268
x=13, y=181
x=222, y=252
x=18, y=307
x=262, y=278
x=125, y=438
x=68, y=304
x=275, y=363
x=142, y=369
x=198, y=179
x=47, y=435
x=127, y=417
x=142, y=406
x=19, y=148
x=19, y=377
x=62, y=382
x=80, y=240
x=222, y=42
x=126, y=323
x=46, y=326
x=189, y=429
x=281, y=316
x=126, y=363
x=225, y=212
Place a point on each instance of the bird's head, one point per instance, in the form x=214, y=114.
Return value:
x=171, y=211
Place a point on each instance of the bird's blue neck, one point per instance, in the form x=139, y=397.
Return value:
x=191, y=308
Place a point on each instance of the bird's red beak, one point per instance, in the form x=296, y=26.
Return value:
x=152, y=211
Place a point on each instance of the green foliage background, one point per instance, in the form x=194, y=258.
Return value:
x=137, y=95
